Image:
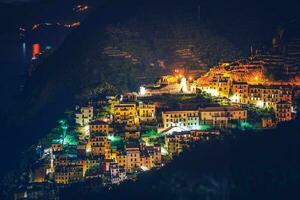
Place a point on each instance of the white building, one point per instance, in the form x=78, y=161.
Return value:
x=187, y=119
x=84, y=116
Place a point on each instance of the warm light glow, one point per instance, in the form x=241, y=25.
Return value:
x=88, y=148
x=212, y=92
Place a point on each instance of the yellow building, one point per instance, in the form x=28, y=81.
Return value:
x=283, y=111
x=85, y=115
x=269, y=95
x=68, y=174
x=240, y=91
x=222, y=116
x=125, y=113
x=267, y=123
x=147, y=112
x=221, y=86
x=187, y=119
x=57, y=147
x=91, y=164
x=132, y=135
x=146, y=160
x=121, y=159
x=100, y=126
x=255, y=94
x=133, y=156
x=175, y=144
x=100, y=145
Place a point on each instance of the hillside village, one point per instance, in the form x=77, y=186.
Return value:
x=115, y=138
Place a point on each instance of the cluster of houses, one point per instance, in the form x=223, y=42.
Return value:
x=277, y=97
x=114, y=147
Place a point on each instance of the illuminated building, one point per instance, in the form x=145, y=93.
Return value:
x=132, y=134
x=188, y=119
x=66, y=160
x=269, y=95
x=91, y=164
x=177, y=142
x=283, y=111
x=150, y=157
x=146, y=112
x=57, y=147
x=267, y=123
x=222, y=116
x=112, y=101
x=125, y=113
x=40, y=174
x=159, y=89
x=84, y=116
x=221, y=85
x=146, y=160
x=121, y=159
x=169, y=85
x=100, y=126
x=239, y=91
x=183, y=85
x=197, y=135
x=100, y=145
x=133, y=155
x=68, y=174
x=155, y=154
x=113, y=173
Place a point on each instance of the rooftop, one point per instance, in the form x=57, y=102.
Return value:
x=222, y=108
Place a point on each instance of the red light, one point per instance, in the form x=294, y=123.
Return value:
x=35, y=49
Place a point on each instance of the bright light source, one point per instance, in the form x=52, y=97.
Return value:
x=144, y=168
x=212, y=92
x=260, y=104
x=164, y=151
x=142, y=91
x=86, y=130
x=234, y=98
x=88, y=148
x=183, y=85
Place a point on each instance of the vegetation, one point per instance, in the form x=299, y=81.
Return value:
x=255, y=114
